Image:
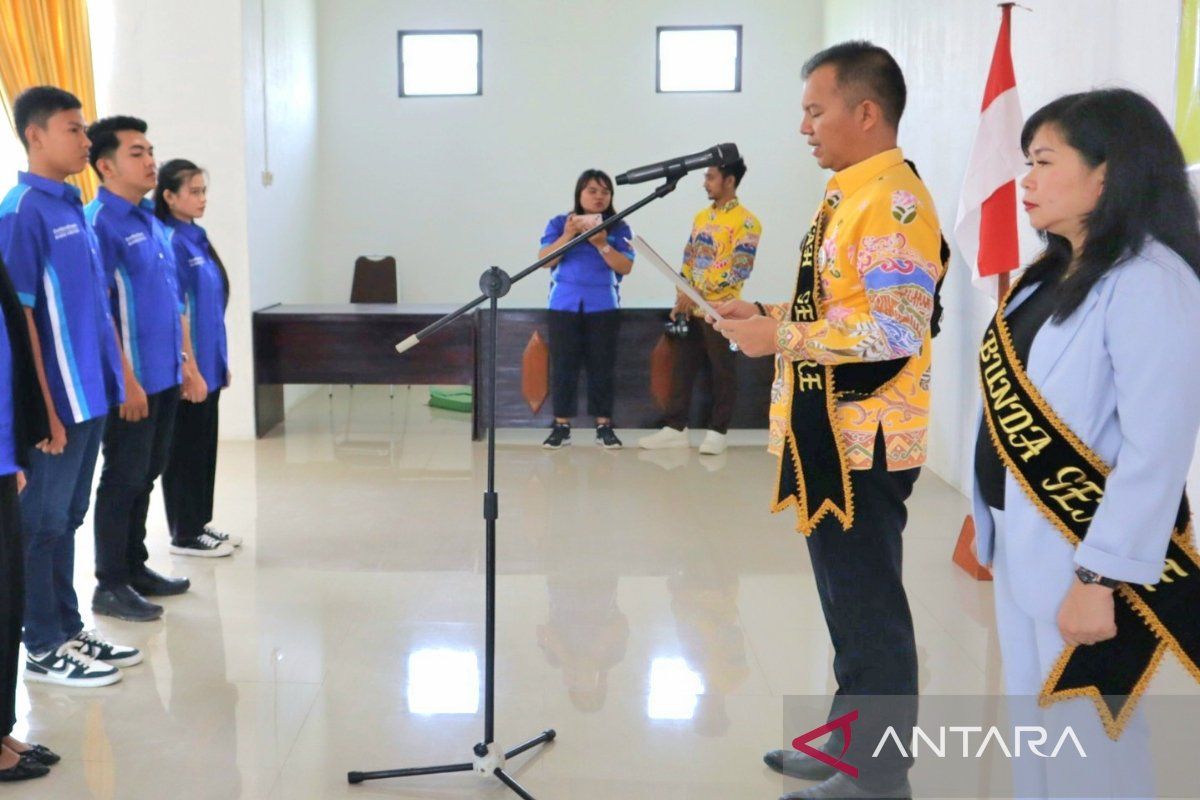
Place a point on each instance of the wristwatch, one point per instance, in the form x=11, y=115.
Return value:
x=606, y=249
x=186, y=358
x=1085, y=575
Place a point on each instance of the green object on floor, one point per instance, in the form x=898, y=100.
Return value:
x=454, y=399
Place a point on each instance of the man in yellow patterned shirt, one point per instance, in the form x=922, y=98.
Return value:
x=717, y=261
x=850, y=404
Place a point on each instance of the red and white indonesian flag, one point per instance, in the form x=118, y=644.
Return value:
x=986, y=227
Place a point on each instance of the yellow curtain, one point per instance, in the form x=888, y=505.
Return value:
x=1187, y=100
x=46, y=42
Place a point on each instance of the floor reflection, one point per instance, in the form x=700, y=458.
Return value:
x=648, y=607
x=704, y=600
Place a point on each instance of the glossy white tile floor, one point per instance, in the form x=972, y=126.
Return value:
x=650, y=609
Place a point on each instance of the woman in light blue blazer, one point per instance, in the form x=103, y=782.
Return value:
x=1106, y=323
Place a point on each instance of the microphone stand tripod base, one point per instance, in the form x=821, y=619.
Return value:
x=489, y=760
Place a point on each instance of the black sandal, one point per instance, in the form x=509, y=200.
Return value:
x=23, y=770
x=41, y=755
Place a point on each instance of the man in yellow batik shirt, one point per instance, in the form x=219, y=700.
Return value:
x=717, y=261
x=850, y=404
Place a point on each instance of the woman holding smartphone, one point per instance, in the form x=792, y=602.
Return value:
x=585, y=303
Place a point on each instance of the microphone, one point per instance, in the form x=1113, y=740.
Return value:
x=719, y=155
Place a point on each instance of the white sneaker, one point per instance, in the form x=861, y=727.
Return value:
x=118, y=655
x=232, y=538
x=714, y=444
x=204, y=546
x=69, y=665
x=665, y=438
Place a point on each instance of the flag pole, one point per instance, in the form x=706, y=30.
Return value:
x=1001, y=70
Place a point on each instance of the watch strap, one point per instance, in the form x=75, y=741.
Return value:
x=1086, y=575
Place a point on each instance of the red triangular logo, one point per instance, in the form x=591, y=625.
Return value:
x=842, y=722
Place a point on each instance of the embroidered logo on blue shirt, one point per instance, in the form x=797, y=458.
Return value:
x=63, y=231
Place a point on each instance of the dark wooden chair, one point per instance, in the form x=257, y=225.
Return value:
x=374, y=280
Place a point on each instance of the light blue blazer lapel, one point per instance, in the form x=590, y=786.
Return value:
x=1053, y=339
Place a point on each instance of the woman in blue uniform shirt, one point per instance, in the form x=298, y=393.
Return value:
x=585, y=304
x=179, y=200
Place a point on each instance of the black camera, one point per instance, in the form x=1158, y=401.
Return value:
x=677, y=328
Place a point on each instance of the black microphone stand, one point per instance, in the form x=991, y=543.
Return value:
x=495, y=283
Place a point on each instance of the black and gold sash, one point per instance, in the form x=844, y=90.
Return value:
x=813, y=473
x=1065, y=480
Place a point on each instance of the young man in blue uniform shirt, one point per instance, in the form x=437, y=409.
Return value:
x=53, y=259
x=155, y=353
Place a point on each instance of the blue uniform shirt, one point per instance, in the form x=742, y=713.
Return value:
x=8, y=442
x=203, y=298
x=582, y=281
x=146, y=300
x=53, y=258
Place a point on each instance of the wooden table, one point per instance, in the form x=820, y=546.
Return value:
x=353, y=343
x=347, y=344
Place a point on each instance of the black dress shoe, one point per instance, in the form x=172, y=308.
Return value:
x=842, y=787
x=23, y=770
x=150, y=584
x=798, y=765
x=123, y=602
x=42, y=755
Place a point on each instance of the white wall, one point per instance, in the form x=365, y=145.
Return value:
x=195, y=72
x=281, y=140
x=453, y=185
x=945, y=47
x=12, y=157
x=283, y=215
x=178, y=65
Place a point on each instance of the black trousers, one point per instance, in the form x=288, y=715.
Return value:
x=703, y=343
x=191, y=472
x=12, y=600
x=135, y=454
x=858, y=574
x=589, y=340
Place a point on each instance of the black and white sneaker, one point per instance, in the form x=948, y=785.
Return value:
x=560, y=436
x=606, y=437
x=118, y=655
x=203, y=546
x=69, y=665
x=232, y=538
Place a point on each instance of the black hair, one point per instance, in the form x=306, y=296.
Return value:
x=1146, y=193
x=865, y=71
x=103, y=133
x=601, y=177
x=37, y=104
x=171, y=178
x=737, y=169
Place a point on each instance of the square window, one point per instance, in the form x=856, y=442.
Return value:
x=441, y=63
x=700, y=59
